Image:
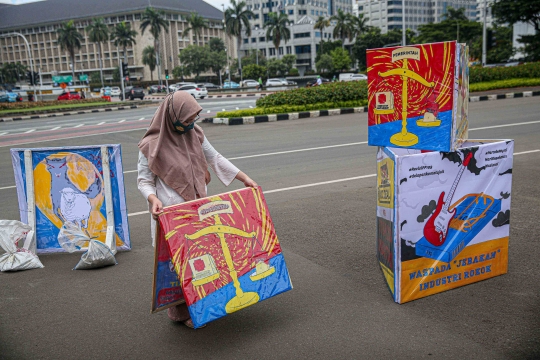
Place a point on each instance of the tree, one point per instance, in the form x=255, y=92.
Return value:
x=116, y=74
x=12, y=72
x=69, y=39
x=216, y=44
x=276, y=67
x=149, y=59
x=513, y=11
x=325, y=63
x=95, y=78
x=179, y=72
x=196, y=23
x=343, y=28
x=359, y=25
x=254, y=71
x=320, y=25
x=327, y=47
x=155, y=20
x=289, y=61
x=98, y=32
x=277, y=30
x=237, y=17
x=217, y=60
x=499, y=45
x=195, y=59
x=340, y=59
x=372, y=39
x=123, y=36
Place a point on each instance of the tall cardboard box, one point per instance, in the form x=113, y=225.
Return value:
x=418, y=96
x=443, y=218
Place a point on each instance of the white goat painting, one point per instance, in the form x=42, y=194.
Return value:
x=75, y=207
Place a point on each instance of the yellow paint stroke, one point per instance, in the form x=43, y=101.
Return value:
x=170, y=234
x=183, y=217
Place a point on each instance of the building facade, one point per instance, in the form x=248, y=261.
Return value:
x=305, y=40
x=389, y=14
x=39, y=21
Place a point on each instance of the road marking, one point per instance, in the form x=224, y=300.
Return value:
x=208, y=112
x=29, y=131
x=101, y=123
x=301, y=186
x=505, y=125
x=78, y=126
x=141, y=119
x=4, y=133
x=222, y=109
x=56, y=128
x=237, y=108
x=298, y=150
x=121, y=121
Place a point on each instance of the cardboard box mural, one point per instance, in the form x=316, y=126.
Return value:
x=225, y=252
x=67, y=185
x=443, y=218
x=418, y=96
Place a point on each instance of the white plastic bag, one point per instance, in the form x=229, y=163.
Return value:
x=16, y=259
x=71, y=237
x=98, y=255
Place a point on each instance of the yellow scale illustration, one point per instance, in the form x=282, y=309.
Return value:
x=405, y=138
x=242, y=299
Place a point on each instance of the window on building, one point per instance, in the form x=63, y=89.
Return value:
x=261, y=38
x=289, y=49
x=302, y=35
x=246, y=41
x=291, y=12
x=317, y=34
x=272, y=51
x=253, y=40
x=303, y=49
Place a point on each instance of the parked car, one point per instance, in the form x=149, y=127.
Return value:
x=274, y=82
x=10, y=96
x=105, y=91
x=177, y=86
x=4, y=97
x=196, y=91
x=358, y=77
x=134, y=92
x=157, y=89
x=345, y=76
x=210, y=86
x=230, y=85
x=69, y=95
x=286, y=82
x=250, y=83
x=115, y=91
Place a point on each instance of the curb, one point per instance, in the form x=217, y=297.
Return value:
x=278, y=117
x=215, y=96
x=310, y=114
x=69, y=113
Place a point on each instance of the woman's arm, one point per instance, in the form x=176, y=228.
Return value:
x=248, y=182
x=146, y=182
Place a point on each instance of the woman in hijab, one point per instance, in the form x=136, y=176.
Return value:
x=173, y=164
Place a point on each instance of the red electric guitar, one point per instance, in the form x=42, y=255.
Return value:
x=436, y=228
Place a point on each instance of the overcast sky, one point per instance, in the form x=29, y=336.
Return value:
x=215, y=3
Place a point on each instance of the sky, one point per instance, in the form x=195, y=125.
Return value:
x=215, y=3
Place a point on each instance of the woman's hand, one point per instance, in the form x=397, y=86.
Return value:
x=207, y=177
x=248, y=182
x=156, y=206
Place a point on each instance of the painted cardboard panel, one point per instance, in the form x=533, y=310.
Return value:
x=452, y=214
x=226, y=253
x=414, y=96
x=69, y=186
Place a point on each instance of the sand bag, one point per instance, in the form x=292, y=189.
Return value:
x=16, y=259
x=98, y=255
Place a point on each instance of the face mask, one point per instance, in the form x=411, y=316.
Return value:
x=177, y=124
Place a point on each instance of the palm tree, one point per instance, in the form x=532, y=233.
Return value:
x=156, y=21
x=277, y=29
x=343, y=28
x=98, y=32
x=320, y=25
x=359, y=24
x=236, y=17
x=123, y=36
x=69, y=39
x=195, y=24
x=149, y=59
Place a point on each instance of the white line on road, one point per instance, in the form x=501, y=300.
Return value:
x=505, y=125
x=78, y=126
x=101, y=123
x=300, y=186
x=141, y=119
x=298, y=150
x=4, y=133
x=56, y=128
x=29, y=131
x=121, y=121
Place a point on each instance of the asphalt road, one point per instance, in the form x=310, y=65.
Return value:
x=318, y=180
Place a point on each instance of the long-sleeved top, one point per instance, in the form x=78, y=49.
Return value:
x=148, y=183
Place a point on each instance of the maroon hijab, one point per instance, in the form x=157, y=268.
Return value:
x=176, y=159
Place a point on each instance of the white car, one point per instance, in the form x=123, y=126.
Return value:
x=115, y=91
x=275, y=82
x=358, y=77
x=250, y=83
x=196, y=91
x=175, y=87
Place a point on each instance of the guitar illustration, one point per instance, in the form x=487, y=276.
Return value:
x=437, y=226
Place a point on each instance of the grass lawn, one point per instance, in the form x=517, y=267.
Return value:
x=54, y=107
x=503, y=84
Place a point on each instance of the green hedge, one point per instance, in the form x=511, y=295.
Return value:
x=503, y=84
x=284, y=109
x=333, y=93
x=37, y=104
x=480, y=74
